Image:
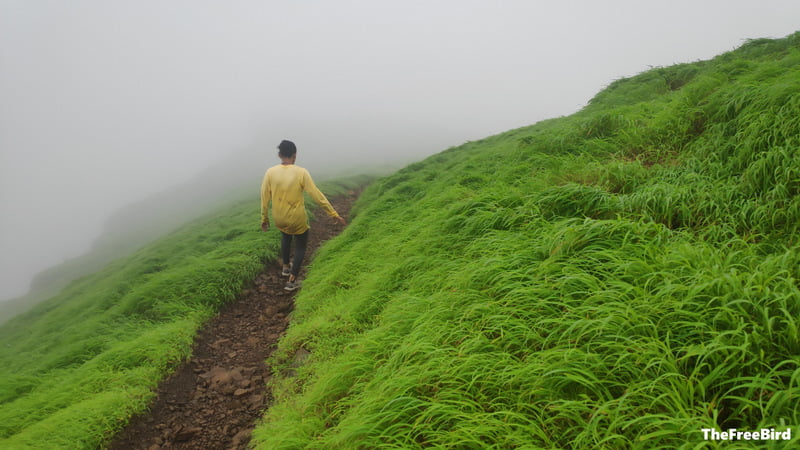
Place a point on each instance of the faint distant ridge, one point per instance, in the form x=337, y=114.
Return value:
x=136, y=224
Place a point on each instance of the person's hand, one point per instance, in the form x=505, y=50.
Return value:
x=341, y=220
x=264, y=226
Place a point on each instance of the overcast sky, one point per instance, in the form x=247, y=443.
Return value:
x=103, y=102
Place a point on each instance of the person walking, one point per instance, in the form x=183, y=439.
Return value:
x=283, y=186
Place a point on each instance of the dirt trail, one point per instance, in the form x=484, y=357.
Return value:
x=214, y=399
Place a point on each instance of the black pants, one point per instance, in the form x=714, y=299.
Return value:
x=300, y=244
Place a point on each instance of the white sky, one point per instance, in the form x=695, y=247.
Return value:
x=103, y=102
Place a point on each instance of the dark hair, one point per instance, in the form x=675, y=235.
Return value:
x=287, y=149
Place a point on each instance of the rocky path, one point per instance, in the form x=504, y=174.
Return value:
x=214, y=400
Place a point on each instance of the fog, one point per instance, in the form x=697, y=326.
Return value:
x=104, y=102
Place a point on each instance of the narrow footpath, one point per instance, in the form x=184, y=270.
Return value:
x=214, y=399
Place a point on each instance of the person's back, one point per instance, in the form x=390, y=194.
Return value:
x=287, y=182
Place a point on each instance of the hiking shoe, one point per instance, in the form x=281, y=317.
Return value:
x=287, y=270
x=291, y=285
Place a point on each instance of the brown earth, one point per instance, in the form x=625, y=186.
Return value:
x=215, y=398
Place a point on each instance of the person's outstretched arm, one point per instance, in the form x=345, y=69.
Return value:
x=319, y=197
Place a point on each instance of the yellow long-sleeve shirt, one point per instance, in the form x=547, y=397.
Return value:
x=284, y=185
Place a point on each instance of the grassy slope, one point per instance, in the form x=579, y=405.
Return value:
x=77, y=366
x=621, y=277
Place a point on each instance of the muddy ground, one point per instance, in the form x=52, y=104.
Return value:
x=215, y=398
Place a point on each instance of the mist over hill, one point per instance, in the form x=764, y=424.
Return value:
x=107, y=102
x=131, y=226
x=622, y=277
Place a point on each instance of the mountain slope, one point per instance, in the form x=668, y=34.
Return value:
x=622, y=277
x=77, y=366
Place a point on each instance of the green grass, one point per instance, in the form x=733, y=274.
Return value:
x=76, y=367
x=622, y=277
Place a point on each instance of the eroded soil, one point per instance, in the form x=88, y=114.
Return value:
x=215, y=398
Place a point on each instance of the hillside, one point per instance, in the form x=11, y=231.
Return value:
x=77, y=366
x=623, y=277
x=626, y=276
